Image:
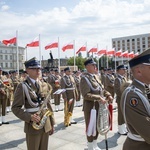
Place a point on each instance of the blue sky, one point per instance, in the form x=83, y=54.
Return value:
x=94, y=22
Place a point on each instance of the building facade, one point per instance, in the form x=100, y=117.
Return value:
x=8, y=57
x=135, y=43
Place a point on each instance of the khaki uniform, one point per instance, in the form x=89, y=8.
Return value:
x=77, y=81
x=15, y=81
x=109, y=83
x=119, y=81
x=36, y=139
x=137, y=117
x=89, y=95
x=68, y=83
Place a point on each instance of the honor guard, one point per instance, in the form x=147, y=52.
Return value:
x=32, y=105
x=3, y=97
x=77, y=79
x=93, y=93
x=135, y=104
x=69, y=96
x=120, y=80
x=109, y=82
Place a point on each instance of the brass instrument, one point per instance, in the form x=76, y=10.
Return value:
x=44, y=113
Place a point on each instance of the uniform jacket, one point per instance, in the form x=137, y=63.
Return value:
x=138, y=119
x=20, y=100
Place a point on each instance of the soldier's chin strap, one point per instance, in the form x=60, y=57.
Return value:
x=145, y=103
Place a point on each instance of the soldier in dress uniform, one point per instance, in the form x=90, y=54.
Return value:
x=15, y=79
x=119, y=81
x=28, y=98
x=3, y=98
x=77, y=79
x=109, y=82
x=135, y=104
x=93, y=92
x=69, y=96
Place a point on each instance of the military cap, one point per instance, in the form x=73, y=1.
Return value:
x=67, y=69
x=143, y=58
x=56, y=70
x=89, y=61
x=32, y=63
x=121, y=67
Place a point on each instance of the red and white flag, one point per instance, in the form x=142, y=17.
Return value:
x=34, y=43
x=83, y=48
x=124, y=54
x=136, y=54
x=118, y=53
x=92, y=50
x=131, y=55
x=111, y=52
x=11, y=41
x=66, y=47
x=52, y=45
x=102, y=51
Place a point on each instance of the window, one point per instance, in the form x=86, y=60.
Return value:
x=6, y=65
x=10, y=57
x=6, y=57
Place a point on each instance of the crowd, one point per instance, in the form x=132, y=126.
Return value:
x=32, y=93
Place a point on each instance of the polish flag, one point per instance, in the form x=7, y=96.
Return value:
x=83, y=48
x=52, y=45
x=92, y=50
x=102, y=51
x=118, y=53
x=131, y=55
x=11, y=41
x=34, y=43
x=124, y=54
x=66, y=47
x=111, y=52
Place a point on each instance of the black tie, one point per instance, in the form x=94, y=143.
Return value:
x=37, y=85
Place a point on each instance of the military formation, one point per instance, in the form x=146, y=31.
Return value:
x=31, y=94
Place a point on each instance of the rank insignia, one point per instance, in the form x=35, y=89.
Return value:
x=134, y=102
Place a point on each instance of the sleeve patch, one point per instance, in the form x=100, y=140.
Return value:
x=133, y=102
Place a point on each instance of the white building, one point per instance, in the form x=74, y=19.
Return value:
x=8, y=57
x=135, y=43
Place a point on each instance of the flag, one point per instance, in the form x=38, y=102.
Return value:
x=66, y=47
x=111, y=52
x=34, y=43
x=92, y=50
x=52, y=45
x=136, y=54
x=131, y=55
x=102, y=51
x=118, y=53
x=11, y=41
x=83, y=48
x=124, y=54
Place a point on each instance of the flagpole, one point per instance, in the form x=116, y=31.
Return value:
x=26, y=54
x=98, y=58
x=115, y=59
x=17, y=51
x=106, y=56
x=39, y=49
x=74, y=54
x=86, y=50
x=58, y=55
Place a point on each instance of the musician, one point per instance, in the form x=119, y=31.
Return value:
x=68, y=83
x=92, y=92
x=135, y=104
x=15, y=79
x=28, y=99
x=3, y=98
x=77, y=79
x=109, y=81
x=120, y=80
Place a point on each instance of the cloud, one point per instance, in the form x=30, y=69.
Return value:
x=91, y=21
x=5, y=8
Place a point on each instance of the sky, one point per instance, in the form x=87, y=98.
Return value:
x=85, y=22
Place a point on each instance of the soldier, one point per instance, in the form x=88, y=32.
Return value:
x=77, y=79
x=15, y=79
x=68, y=83
x=120, y=80
x=135, y=104
x=3, y=98
x=29, y=105
x=93, y=93
x=109, y=82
